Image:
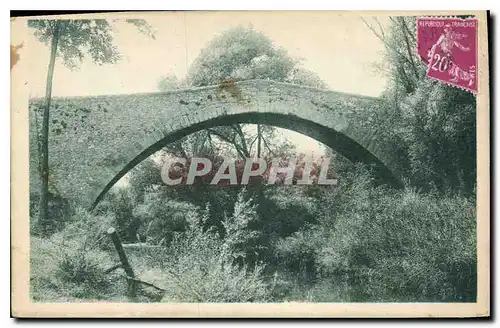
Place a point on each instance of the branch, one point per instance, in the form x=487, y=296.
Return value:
x=253, y=141
x=211, y=142
x=268, y=148
x=220, y=136
x=384, y=41
x=113, y=268
x=381, y=38
x=408, y=49
x=380, y=26
x=204, y=141
x=143, y=282
x=243, y=141
x=177, y=147
x=143, y=27
x=226, y=139
x=410, y=33
x=259, y=137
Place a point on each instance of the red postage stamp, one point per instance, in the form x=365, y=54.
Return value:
x=448, y=46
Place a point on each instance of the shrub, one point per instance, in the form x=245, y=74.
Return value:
x=59, y=211
x=63, y=273
x=286, y=209
x=161, y=217
x=402, y=246
x=86, y=270
x=121, y=202
x=209, y=268
x=70, y=265
x=373, y=244
x=296, y=253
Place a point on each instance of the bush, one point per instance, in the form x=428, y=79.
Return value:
x=161, y=217
x=59, y=211
x=64, y=273
x=206, y=267
x=296, y=254
x=402, y=246
x=286, y=209
x=121, y=202
x=372, y=244
x=70, y=265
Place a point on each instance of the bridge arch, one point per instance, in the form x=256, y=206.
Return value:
x=97, y=140
x=344, y=145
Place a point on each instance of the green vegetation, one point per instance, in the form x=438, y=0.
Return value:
x=355, y=242
x=70, y=40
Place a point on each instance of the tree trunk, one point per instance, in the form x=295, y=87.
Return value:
x=43, y=218
x=244, y=146
x=409, y=49
x=259, y=140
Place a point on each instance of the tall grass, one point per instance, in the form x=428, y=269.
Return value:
x=70, y=265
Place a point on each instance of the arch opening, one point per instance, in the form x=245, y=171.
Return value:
x=337, y=141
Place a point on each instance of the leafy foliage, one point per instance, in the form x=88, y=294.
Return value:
x=389, y=245
x=432, y=125
x=70, y=265
x=120, y=202
x=80, y=36
x=243, y=54
x=143, y=27
x=207, y=267
x=77, y=37
x=440, y=134
x=170, y=82
x=160, y=218
x=305, y=77
x=145, y=177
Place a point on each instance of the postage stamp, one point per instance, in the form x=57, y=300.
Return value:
x=448, y=46
x=228, y=164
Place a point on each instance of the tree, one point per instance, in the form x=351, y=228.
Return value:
x=145, y=177
x=432, y=124
x=170, y=82
x=302, y=76
x=401, y=63
x=70, y=40
x=239, y=54
x=243, y=54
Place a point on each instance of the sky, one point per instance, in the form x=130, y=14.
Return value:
x=337, y=47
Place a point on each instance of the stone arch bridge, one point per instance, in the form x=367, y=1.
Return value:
x=94, y=141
